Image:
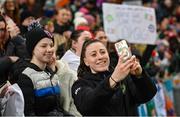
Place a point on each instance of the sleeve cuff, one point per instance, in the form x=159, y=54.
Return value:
x=142, y=76
x=108, y=87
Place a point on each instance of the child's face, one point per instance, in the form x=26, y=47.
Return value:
x=44, y=50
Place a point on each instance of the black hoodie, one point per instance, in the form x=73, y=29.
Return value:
x=94, y=97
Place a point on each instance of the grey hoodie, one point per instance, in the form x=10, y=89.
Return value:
x=66, y=79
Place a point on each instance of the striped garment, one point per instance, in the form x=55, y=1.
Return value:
x=43, y=84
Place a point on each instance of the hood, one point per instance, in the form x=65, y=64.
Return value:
x=17, y=69
x=63, y=68
x=97, y=76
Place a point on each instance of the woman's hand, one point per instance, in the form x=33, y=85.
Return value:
x=123, y=68
x=136, y=68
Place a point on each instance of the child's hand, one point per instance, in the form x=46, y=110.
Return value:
x=52, y=62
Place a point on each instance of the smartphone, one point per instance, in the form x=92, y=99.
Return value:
x=122, y=48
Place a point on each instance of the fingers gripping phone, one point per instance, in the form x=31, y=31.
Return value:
x=122, y=49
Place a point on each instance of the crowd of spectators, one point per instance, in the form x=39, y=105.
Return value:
x=72, y=22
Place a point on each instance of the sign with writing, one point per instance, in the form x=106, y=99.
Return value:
x=136, y=24
x=134, y=2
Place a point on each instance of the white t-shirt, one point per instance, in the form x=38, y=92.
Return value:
x=72, y=59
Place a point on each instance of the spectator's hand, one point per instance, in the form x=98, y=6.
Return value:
x=67, y=34
x=13, y=30
x=123, y=68
x=28, y=21
x=52, y=62
x=157, y=63
x=4, y=89
x=13, y=58
x=136, y=68
x=3, y=92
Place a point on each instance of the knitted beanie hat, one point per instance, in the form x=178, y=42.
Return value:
x=34, y=35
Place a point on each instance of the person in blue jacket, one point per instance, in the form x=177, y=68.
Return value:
x=38, y=81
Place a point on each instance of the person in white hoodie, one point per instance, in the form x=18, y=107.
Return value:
x=72, y=56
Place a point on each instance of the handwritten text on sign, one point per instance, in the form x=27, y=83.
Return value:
x=136, y=24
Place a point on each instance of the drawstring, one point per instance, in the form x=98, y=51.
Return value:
x=52, y=73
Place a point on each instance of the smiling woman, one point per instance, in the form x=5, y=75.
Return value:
x=101, y=90
x=96, y=58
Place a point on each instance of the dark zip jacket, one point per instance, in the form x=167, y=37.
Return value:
x=41, y=91
x=94, y=97
x=13, y=47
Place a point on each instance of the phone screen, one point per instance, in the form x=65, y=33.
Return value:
x=122, y=48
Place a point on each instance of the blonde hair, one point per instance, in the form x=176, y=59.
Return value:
x=58, y=40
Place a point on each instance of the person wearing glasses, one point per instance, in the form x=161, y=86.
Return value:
x=12, y=47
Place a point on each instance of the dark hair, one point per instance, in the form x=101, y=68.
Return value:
x=15, y=16
x=2, y=19
x=98, y=30
x=74, y=37
x=2, y=44
x=61, y=8
x=83, y=68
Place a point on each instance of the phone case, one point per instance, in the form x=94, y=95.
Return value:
x=122, y=47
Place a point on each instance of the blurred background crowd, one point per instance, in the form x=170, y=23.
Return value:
x=62, y=17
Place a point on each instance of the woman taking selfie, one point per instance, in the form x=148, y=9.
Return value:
x=103, y=90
